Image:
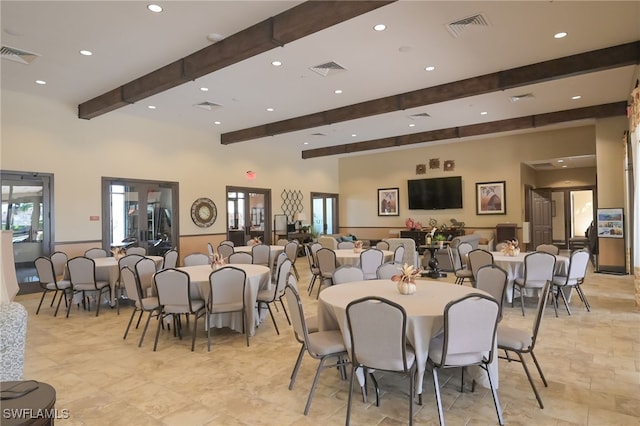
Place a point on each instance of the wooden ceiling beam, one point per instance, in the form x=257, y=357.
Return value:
x=583, y=63
x=290, y=25
x=520, y=123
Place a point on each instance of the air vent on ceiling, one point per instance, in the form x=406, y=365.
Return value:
x=420, y=115
x=543, y=166
x=328, y=68
x=318, y=134
x=209, y=106
x=523, y=97
x=17, y=55
x=456, y=28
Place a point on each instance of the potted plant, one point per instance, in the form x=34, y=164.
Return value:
x=440, y=238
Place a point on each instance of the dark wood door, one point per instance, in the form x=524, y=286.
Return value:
x=541, y=217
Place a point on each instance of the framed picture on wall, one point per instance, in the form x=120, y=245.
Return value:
x=388, y=202
x=491, y=198
x=610, y=223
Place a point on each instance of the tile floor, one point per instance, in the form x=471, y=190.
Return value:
x=591, y=361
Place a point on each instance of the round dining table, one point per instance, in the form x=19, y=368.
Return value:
x=352, y=258
x=258, y=278
x=424, y=308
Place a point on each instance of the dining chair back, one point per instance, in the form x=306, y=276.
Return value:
x=372, y=320
x=321, y=345
x=548, y=248
x=291, y=249
x=578, y=263
x=227, y=243
x=459, y=270
x=274, y=294
x=130, y=261
x=463, y=252
x=173, y=288
x=94, y=253
x=539, y=268
x=170, y=259
x=345, y=245
x=82, y=276
x=347, y=274
x=210, y=251
x=477, y=259
x=370, y=260
x=327, y=263
x=142, y=303
x=195, y=259
x=282, y=242
x=240, y=257
x=468, y=339
x=227, y=295
x=398, y=254
x=225, y=250
x=59, y=260
x=261, y=254
x=145, y=269
x=493, y=279
x=313, y=267
x=388, y=270
x=382, y=245
x=48, y=281
x=514, y=340
x=141, y=251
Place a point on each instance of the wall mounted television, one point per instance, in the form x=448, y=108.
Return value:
x=435, y=194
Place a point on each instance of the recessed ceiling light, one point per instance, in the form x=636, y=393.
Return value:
x=204, y=89
x=305, y=143
x=575, y=98
x=270, y=109
x=217, y=122
x=353, y=135
x=276, y=63
x=86, y=52
x=560, y=161
x=560, y=35
x=380, y=27
x=337, y=91
x=154, y=8
x=484, y=113
x=214, y=37
x=412, y=125
x=564, y=166
x=151, y=107
x=429, y=68
x=41, y=82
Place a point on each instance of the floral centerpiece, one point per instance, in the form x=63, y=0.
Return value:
x=256, y=241
x=118, y=252
x=510, y=248
x=407, y=279
x=217, y=261
x=357, y=246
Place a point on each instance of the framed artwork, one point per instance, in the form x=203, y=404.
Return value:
x=491, y=198
x=388, y=202
x=610, y=223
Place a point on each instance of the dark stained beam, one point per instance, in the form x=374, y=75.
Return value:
x=290, y=25
x=520, y=123
x=583, y=63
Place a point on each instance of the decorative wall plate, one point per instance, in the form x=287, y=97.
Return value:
x=204, y=212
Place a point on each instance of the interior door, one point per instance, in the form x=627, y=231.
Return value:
x=140, y=213
x=248, y=215
x=541, y=217
x=324, y=211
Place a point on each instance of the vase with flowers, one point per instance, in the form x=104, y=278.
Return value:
x=118, y=252
x=510, y=248
x=406, y=279
x=217, y=261
x=256, y=241
x=357, y=246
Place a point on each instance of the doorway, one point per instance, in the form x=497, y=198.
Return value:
x=140, y=213
x=27, y=206
x=248, y=215
x=324, y=211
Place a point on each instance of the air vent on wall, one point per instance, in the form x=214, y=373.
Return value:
x=209, y=106
x=456, y=28
x=328, y=68
x=17, y=55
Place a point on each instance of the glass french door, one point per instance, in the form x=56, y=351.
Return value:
x=140, y=213
x=247, y=213
x=324, y=211
x=27, y=203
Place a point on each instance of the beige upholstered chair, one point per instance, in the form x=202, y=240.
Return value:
x=82, y=275
x=291, y=249
x=261, y=255
x=59, y=260
x=347, y=274
x=225, y=250
x=194, y=259
x=227, y=243
x=372, y=320
x=369, y=261
x=468, y=339
x=539, y=268
x=130, y=261
x=460, y=271
x=410, y=252
x=322, y=345
x=514, y=340
x=346, y=245
x=227, y=295
x=240, y=257
x=493, y=279
x=313, y=267
x=145, y=270
x=170, y=259
x=274, y=294
x=398, y=254
x=142, y=303
x=141, y=251
x=388, y=270
x=548, y=248
x=477, y=259
x=94, y=253
x=49, y=282
x=327, y=263
x=382, y=245
x=575, y=277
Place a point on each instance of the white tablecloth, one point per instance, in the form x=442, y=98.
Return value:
x=258, y=278
x=425, y=314
x=273, y=253
x=349, y=257
x=514, y=265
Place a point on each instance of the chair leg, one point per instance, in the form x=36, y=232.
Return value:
x=55, y=293
x=139, y=318
x=62, y=296
x=195, y=327
x=44, y=293
x=273, y=319
x=494, y=393
x=436, y=385
x=411, y=392
x=353, y=374
x=535, y=361
x=208, y=326
x=294, y=373
x=521, y=291
x=314, y=385
x=564, y=300
x=533, y=386
x=285, y=311
x=155, y=344
x=313, y=281
x=583, y=297
x=144, y=331
x=133, y=314
x=295, y=270
x=245, y=325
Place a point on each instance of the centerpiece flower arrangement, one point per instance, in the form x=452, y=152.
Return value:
x=407, y=279
x=217, y=261
x=510, y=248
x=118, y=252
x=256, y=241
x=357, y=246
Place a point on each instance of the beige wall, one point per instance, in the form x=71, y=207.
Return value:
x=611, y=162
x=41, y=136
x=585, y=176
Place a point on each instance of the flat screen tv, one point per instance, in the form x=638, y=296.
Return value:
x=435, y=193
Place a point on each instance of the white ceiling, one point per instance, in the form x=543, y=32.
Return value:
x=128, y=42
